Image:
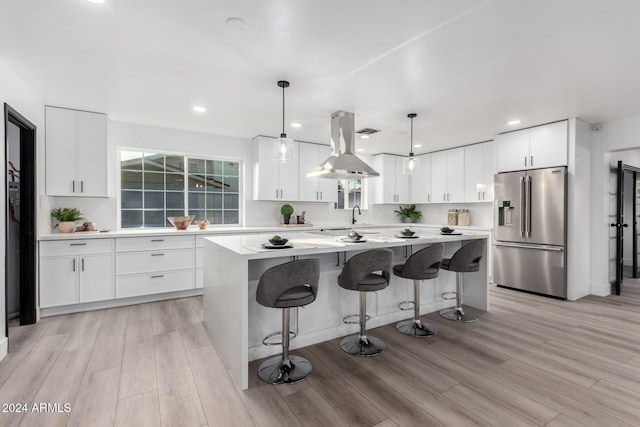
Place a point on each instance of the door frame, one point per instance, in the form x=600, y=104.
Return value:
x=28, y=243
x=621, y=169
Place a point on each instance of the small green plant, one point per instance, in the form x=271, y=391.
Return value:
x=276, y=238
x=408, y=213
x=286, y=209
x=354, y=234
x=406, y=230
x=67, y=214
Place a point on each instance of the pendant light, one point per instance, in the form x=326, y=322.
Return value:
x=283, y=146
x=411, y=164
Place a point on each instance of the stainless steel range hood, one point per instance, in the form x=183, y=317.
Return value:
x=343, y=163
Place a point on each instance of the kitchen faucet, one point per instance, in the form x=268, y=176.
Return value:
x=353, y=214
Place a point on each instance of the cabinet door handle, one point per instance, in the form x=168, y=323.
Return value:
x=531, y=162
x=321, y=197
x=73, y=186
x=82, y=262
x=157, y=254
x=74, y=264
x=77, y=244
x=428, y=197
x=157, y=276
x=479, y=196
x=82, y=186
x=157, y=240
x=484, y=197
x=525, y=161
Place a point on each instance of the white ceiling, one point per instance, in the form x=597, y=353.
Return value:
x=465, y=66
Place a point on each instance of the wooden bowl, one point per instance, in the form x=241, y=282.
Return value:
x=202, y=223
x=181, y=222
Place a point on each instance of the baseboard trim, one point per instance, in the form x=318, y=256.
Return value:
x=99, y=305
x=4, y=347
x=602, y=290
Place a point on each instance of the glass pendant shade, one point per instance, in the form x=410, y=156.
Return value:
x=283, y=149
x=410, y=165
x=283, y=146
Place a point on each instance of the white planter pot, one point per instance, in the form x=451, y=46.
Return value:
x=66, y=226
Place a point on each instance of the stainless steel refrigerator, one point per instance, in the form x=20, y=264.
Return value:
x=530, y=234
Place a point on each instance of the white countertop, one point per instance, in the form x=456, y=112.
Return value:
x=193, y=230
x=309, y=243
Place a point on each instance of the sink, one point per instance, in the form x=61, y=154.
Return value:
x=340, y=231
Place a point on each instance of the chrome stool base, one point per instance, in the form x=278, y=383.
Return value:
x=458, y=315
x=358, y=345
x=276, y=371
x=416, y=328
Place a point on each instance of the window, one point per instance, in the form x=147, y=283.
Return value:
x=154, y=186
x=351, y=192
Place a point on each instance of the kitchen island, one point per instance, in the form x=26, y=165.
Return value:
x=237, y=323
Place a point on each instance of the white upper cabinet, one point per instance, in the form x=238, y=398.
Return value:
x=392, y=186
x=479, y=168
x=274, y=180
x=76, y=153
x=315, y=189
x=548, y=145
x=447, y=176
x=534, y=148
x=420, y=182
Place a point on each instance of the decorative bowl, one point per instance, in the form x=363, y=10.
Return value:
x=407, y=233
x=202, y=223
x=181, y=222
x=447, y=230
x=280, y=242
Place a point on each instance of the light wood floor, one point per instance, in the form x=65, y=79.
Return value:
x=531, y=361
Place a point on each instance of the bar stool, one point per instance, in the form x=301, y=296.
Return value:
x=360, y=274
x=465, y=260
x=422, y=265
x=293, y=284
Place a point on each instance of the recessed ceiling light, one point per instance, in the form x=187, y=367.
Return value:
x=364, y=136
x=360, y=150
x=296, y=125
x=417, y=145
x=237, y=24
x=97, y=1
x=514, y=122
x=199, y=109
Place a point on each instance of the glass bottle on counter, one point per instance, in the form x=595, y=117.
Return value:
x=452, y=217
x=464, y=217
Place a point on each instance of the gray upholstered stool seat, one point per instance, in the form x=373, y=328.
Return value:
x=422, y=265
x=465, y=260
x=365, y=272
x=293, y=284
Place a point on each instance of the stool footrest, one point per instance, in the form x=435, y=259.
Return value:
x=407, y=305
x=449, y=296
x=266, y=340
x=347, y=319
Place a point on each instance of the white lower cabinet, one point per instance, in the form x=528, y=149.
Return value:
x=154, y=283
x=166, y=264
x=75, y=271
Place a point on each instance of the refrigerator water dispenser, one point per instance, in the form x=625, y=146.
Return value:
x=505, y=214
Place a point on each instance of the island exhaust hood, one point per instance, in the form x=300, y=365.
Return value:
x=343, y=163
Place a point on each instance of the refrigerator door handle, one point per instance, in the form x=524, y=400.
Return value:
x=528, y=196
x=537, y=247
x=522, y=203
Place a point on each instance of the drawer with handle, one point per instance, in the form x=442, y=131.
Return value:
x=154, y=283
x=159, y=260
x=129, y=244
x=55, y=248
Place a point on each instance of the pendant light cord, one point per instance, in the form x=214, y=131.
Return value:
x=283, y=134
x=411, y=116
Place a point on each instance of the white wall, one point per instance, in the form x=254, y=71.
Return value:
x=14, y=92
x=617, y=140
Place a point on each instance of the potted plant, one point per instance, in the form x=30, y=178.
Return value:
x=409, y=214
x=286, y=210
x=67, y=218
